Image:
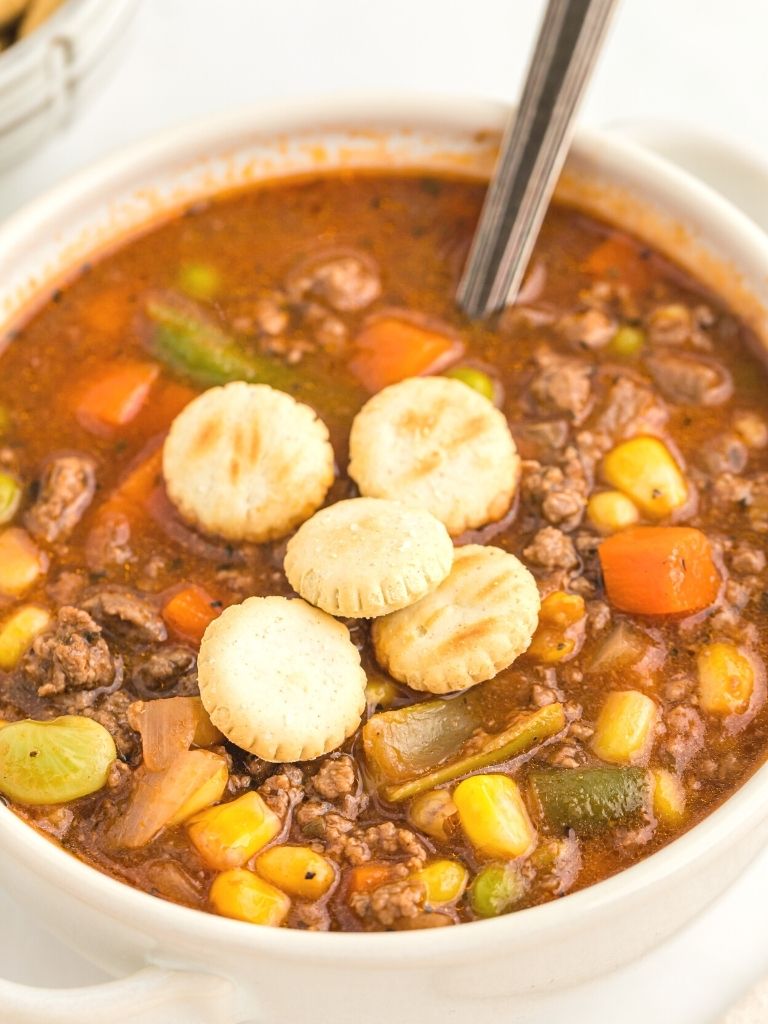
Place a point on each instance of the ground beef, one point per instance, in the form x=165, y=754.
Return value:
x=171, y=672
x=751, y=428
x=560, y=490
x=335, y=778
x=676, y=324
x=67, y=587
x=566, y=755
x=65, y=491
x=310, y=916
x=631, y=408
x=745, y=559
x=552, y=549
x=590, y=328
x=563, y=384
x=598, y=616
x=724, y=454
x=684, y=737
x=283, y=790
x=111, y=711
x=71, y=656
x=126, y=614
x=688, y=380
x=390, y=903
x=345, y=281
x=109, y=543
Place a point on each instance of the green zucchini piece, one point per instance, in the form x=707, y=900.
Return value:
x=589, y=800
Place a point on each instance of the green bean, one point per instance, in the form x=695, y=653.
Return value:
x=589, y=800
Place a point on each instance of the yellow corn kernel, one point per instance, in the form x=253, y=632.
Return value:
x=494, y=817
x=381, y=693
x=444, y=880
x=668, y=796
x=243, y=895
x=431, y=812
x=297, y=870
x=559, y=611
x=21, y=562
x=209, y=793
x=625, y=728
x=611, y=511
x=645, y=471
x=726, y=679
x=228, y=835
x=17, y=633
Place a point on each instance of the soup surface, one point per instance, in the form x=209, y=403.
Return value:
x=641, y=511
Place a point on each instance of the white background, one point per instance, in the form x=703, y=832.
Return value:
x=699, y=61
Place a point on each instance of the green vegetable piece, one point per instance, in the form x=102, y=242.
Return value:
x=10, y=496
x=54, y=762
x=627, y=341
x=496, y=889
x=475, y=379
x=199, y=280
x=589, y=800
x=406, y=748
x=190, y=343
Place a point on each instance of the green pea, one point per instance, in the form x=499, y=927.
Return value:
x=10, y=496
x=199, y=280
x=54, y=762
x=496, y=889
x=627, y=341
x=475, y=379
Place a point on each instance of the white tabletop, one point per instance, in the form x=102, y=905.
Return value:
x=700, y=61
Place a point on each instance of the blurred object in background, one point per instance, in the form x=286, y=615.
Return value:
x=52, y=54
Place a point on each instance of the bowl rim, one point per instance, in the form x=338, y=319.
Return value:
x=124, y=903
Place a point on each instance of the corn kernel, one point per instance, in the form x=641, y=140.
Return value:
x=625, y=728
x=228, y=835
x=432, y=811
x=297, y=870
x=611, y=511
x=381, y=693
x=211, y=791
x=559, y=612
x=444, y=880
x=243, y=895
x=726, y=679
x=21, y=562
x=645, y=471
x=627, y=341
x=493, y=816
x=17, y=633
x=668, y=796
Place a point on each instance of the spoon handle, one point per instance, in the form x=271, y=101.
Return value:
x=533, y=150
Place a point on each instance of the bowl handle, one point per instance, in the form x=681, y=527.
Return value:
x=728, y=166
x=152, y=995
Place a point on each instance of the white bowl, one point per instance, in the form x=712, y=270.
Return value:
x=45, y=77
x=210, y=969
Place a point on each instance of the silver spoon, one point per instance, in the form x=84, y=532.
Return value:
x=533, y=150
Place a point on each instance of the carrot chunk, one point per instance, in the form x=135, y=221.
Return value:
x=367, y=877
x=659, y=570
x=389, y=350
x=190, y=611
x=618, y=259
x=115, y=397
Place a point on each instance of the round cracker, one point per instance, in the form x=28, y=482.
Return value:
x=247, y=462
x=281, y=679
x=436, y=443
x=476, y=623
x=367, y=557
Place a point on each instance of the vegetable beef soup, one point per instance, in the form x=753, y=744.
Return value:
x=322, y=606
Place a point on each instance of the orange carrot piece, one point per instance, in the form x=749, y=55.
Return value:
x=367, y=877
x=389, y=350
x=114, y=398
x=659, y=570
x=618, y=260
x=190, y=611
